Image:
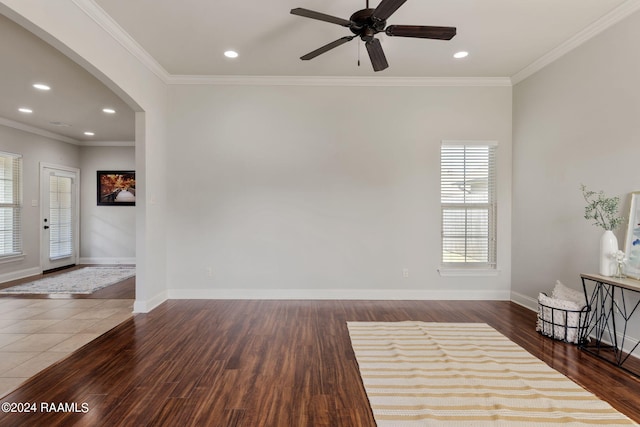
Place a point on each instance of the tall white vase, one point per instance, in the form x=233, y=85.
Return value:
x=608, y=248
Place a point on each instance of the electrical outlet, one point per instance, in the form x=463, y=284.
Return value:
x=405, y=272
x=209, y=271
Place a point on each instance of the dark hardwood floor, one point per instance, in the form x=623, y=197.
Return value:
x=122, y=290
x=265, y=363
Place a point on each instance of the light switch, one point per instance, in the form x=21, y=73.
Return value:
x=34, y=203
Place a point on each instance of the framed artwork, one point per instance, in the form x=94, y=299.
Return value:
x=116, y=188
x=632, y=242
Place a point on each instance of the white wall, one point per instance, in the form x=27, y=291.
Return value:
x=576, y=121
x=34, y=149
x=108, y=233
x=324, y=192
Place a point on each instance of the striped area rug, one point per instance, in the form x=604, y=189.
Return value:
x=466, y=374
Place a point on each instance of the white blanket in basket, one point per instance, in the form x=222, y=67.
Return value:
x=558, y=315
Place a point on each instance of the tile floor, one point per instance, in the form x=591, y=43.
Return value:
x=35, y=333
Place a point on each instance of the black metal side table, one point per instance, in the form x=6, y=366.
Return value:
x=613, y=303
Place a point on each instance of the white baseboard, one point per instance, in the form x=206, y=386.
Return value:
x=20, y=274
x=525, y=301
x=337, y=294
x=95, y=260
x=146, y=306
x=630, y=343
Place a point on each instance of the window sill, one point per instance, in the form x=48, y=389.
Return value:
x=12, y=258
x=468, y=272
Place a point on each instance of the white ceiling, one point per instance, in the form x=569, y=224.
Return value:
x=187, y=38
x=76, y=97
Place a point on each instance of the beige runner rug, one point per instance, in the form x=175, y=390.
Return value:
x=466, y=374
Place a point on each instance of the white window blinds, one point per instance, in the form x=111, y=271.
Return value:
x=468, y=203
x=60, y=217
x=10, y=204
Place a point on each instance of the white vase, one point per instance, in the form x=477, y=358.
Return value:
x=608, y=248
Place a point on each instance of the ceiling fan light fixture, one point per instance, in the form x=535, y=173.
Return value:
x=41, y=86
x=231, y=54
x=461, y=54
x=366, y=23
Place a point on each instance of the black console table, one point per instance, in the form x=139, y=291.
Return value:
x=613, y=303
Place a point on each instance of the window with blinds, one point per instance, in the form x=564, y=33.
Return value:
x=468, y=203
x=10, y=204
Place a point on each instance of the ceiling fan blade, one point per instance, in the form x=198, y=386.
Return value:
x=326, y=48
x=386, y=8
x=378, y=60
x=320, y=16
x=421, y=31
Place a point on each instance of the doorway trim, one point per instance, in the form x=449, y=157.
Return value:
x=76, y=225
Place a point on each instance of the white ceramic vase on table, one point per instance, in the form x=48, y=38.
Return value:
x=608, y=249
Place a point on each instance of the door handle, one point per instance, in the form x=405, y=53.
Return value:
x=46, y=227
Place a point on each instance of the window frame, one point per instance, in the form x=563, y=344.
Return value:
x=490, y=263
x=15, y=204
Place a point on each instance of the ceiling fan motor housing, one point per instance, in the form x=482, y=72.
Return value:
x=364, y=26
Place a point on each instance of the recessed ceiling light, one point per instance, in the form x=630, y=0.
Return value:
x=231, y=54
x=25, y=110
x=41, y=86
x=109, y=110
x=459, y=55
x=89, y=133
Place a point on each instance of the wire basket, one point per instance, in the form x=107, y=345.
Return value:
x=562, y=324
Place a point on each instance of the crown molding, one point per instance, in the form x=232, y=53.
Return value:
x=107, y=143
x=107, y=23
x=36, y=131
x=51, y=135
x=608, y=20
x=337, y=81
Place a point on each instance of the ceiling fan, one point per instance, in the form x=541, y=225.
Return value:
x=366, y=23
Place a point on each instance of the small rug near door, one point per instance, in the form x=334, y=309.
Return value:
x=419, y=374
x=82, y=281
